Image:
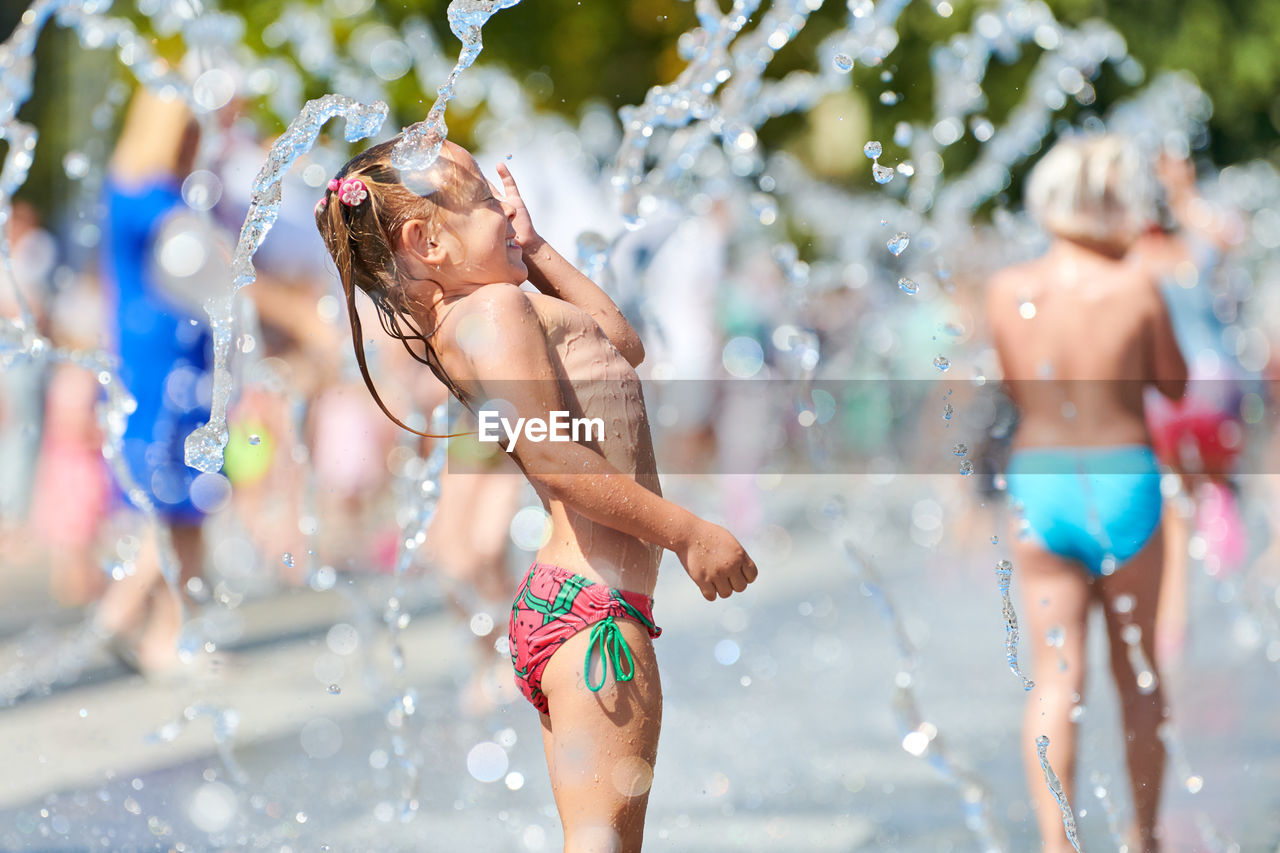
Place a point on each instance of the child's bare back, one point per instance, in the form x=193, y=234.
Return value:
x=1079, y=334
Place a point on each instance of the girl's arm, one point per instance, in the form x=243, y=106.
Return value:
x=520, y=373
x=555, y=276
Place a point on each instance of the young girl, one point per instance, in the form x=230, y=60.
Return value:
x=442, y=268
x=1080, y=332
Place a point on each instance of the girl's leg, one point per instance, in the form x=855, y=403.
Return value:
x=1055, y=599
x=601, y=746
x=1139, y=580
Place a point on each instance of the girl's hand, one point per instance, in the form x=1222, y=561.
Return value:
x=523, y=224
x=717, y=562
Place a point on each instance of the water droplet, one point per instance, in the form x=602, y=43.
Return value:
x=1056, y=636
x=881, y=174
x=287, y=559
x=889, y=98
x=487, y=762
x=843, y=63
x=966, y=468
x=482, y=624
x=902, y=134
x=995, y=540
x=947, y=411
x=873, y=150
x=898, y=243
x=764, y=208
x=76, y=164
x=334, y=689
x=942, y=363
x=961, y=449
x=1027, y=310
x=908, y=286
x=727, y=652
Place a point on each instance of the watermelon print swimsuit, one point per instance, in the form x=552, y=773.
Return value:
x=552, y=604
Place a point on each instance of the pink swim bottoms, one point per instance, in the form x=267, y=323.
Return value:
x=551, y=606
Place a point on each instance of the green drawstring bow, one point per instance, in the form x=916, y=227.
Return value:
x=607, y=636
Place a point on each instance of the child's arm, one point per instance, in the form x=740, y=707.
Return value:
x=555, y=276
x=1168, y=369
x=151, y=139
x=520, y=372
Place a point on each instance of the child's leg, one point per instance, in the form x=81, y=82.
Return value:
x=601, y=746
x=1140, y=579
x=1054, y=595
x=1171, y=619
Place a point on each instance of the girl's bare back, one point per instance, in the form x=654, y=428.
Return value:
x=1079, y=335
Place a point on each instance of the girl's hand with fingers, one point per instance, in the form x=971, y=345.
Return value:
x=521, y=221
x=717, y=562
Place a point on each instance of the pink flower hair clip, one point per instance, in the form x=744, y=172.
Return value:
x=334, y=183
x=352, y=192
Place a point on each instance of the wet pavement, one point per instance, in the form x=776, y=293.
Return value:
x=778, y=728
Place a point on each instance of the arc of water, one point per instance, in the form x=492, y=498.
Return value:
x=420, y=143
x=1055, y=787
x=920, y=738
x=205, y=445
x=679, y=103
x=1078, y=58
x=1004, y=574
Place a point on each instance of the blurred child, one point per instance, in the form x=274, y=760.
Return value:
x=1080, y=333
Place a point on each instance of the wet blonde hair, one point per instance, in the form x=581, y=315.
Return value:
x=363, y=239
x=1097, y=189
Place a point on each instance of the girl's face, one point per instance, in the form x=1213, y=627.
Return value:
x=475, y=229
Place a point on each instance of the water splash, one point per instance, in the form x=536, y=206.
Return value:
x=205, y=445
x=920, y=737
x=420, y=143
x=908, y=286
x=226, y=721
x=1143, y=672
x=401, y=706
x=1100, y=782
x=898, y=243
x=1004, y=575
x=1191, y=781
x=1055, y=788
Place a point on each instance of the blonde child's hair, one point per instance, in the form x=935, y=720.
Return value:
x=1097, y=189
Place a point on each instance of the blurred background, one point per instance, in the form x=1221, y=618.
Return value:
x=817, y=208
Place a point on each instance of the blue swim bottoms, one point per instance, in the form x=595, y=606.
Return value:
x=1096, y=505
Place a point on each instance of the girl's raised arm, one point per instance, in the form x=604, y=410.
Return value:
x=520, y=373
x=552, y=274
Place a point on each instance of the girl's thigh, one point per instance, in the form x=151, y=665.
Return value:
x=601, y=746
